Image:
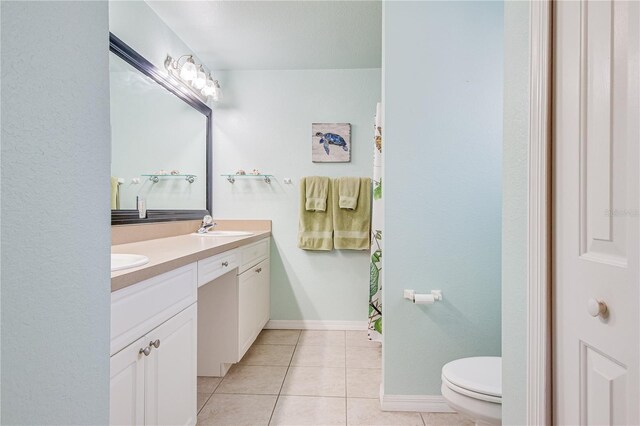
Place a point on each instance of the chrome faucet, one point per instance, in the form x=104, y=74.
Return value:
x=207, y=222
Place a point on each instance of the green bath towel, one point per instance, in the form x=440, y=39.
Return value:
x=316, y=193
x=348, y=191
x=315, y=228
x=352, y=228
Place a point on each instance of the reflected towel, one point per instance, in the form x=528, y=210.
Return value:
x=317, y=188
x=115, y=194
x=352, y=228
x=348, y=190
x=315, y=228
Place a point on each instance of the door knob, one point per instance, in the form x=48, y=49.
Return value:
x=146, y=351
x=597, y=308
x=155, y=344
x=225, y=264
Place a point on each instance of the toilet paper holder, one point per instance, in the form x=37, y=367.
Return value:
x=423, y=299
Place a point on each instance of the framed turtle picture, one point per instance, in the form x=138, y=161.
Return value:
x=331, y=142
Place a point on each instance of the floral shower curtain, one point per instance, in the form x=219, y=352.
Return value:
x=375, y=283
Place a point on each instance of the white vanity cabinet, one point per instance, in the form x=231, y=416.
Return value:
x=233, y=309
x=153, y=377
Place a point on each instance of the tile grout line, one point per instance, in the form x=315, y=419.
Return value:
x=204, y=405
x=284, y=378
x=346, y=394
x=210, y=395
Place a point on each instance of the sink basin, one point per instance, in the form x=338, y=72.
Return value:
x=126, y=261
x=225, y=234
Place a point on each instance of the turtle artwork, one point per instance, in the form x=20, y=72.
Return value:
x=331, y=142
x=327, y=139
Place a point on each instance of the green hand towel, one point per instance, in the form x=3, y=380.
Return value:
x=352, y=228
x=115, y=194
x=315, y=228
x=348, y=190
x=316, y=193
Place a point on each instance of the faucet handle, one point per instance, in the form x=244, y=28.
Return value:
x=207, y=220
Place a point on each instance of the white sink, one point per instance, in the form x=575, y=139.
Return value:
x=225, y=234
x=126, y=261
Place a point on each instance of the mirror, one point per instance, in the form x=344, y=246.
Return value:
x=160, y=143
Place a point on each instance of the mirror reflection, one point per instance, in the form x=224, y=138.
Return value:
x=158, y=144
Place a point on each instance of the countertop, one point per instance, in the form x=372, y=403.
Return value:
x=166, y=254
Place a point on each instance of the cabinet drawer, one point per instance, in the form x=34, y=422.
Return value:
x=211, y=268
x=137, y=309
x=253, y=254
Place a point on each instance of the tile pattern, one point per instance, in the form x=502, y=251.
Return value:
x=289, y=377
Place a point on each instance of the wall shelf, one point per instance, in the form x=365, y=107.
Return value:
x=232, y=177
x=155, y=178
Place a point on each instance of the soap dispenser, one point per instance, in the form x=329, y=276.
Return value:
x=142, y=207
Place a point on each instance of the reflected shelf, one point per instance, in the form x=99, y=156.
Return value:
x=155, y=178
x=232, y=177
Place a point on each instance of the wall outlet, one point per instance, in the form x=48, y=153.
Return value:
x=287, y=181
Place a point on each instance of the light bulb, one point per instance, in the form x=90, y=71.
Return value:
x=217, y=92
x=188, y=70
x=209, y=87
x=200, y=80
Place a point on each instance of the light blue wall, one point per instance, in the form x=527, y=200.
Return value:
x=514, y=213
x=135, y=23
x=55, y=213
x=442, y=67
x=265, y=123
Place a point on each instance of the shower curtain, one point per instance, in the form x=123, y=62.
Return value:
x=375, y=283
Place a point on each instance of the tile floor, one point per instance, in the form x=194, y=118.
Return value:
x=293, y=377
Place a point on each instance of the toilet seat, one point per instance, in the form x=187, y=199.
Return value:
x=476, y=377
x=471, y=394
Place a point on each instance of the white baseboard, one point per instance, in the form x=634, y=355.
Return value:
x=420, y=403
x=316, y=325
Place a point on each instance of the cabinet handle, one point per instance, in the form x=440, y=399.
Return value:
x=146, y=351
x=155, y=344
x=259, y=270
x=225, y=263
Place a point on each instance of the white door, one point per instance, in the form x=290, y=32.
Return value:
x=595, y=217
x=126, y=404
x=171, y=371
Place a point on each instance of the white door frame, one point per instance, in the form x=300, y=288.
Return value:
x=539, y=380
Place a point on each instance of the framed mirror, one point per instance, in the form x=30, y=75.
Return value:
x=160, y=143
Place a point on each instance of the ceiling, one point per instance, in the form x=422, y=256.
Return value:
x=275, y=35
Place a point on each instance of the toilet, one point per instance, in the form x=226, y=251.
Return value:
x=473, y=387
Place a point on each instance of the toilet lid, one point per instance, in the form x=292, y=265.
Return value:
x=478, y=374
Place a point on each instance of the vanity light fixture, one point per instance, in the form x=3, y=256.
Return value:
x=194, y=76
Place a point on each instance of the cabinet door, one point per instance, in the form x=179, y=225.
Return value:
x=126, y=405
x=253, y=304
x=171, y=371
x=263, y=299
